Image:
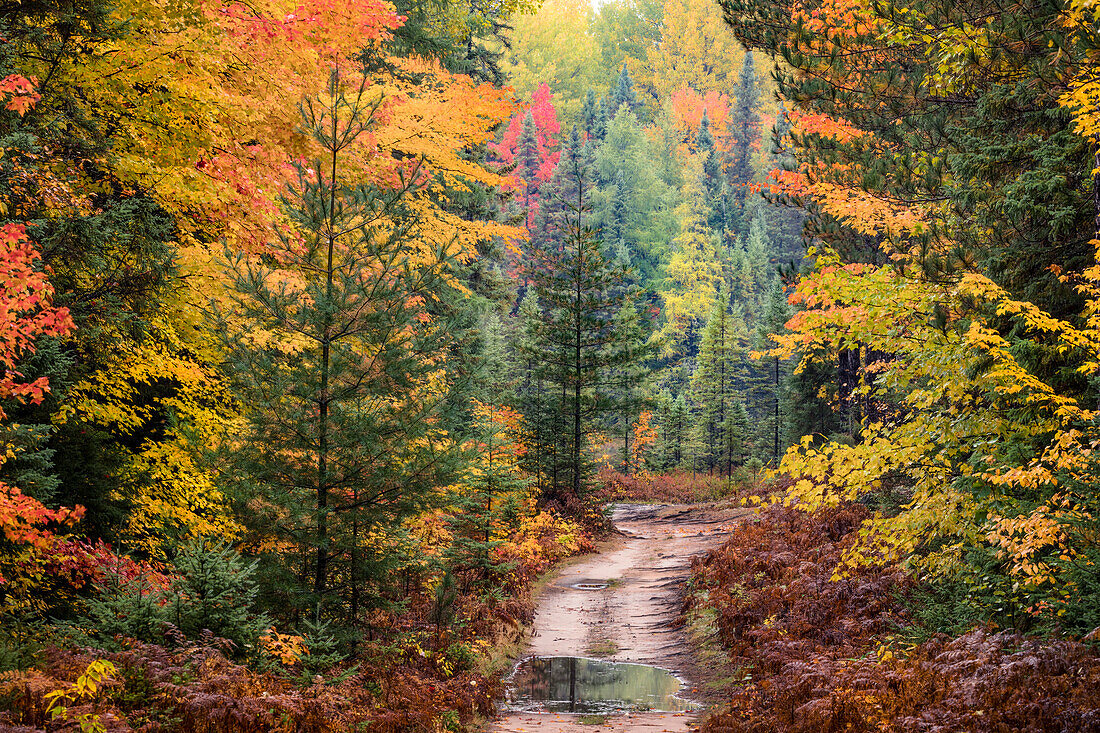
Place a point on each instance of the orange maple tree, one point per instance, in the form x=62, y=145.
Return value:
x=25, y=315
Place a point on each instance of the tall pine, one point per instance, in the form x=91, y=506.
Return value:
x=574, y=344
x=337, y=360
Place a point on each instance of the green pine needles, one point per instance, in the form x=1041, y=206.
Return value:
x=339, y=366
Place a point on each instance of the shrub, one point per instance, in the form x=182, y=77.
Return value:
x=818, y=654
x=212, y=592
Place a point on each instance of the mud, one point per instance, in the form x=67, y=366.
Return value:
x=633, y=619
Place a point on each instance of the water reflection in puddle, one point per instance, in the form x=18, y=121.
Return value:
x=578, y=685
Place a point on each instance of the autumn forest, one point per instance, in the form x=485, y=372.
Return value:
x=331, y=329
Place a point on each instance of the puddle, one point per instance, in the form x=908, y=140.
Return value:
x=591, y=686
x=589, y=585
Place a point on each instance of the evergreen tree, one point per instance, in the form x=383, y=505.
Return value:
x=785, y=219
x=485, y=503
x=575, y=337
x=773, y=321
x=214, y=590
x=590, y=115
x=712, y=173
x=534, y=400
x=661, y=456
x=744, y=129
x=632, y=202
x=336, y=373
x=704, y=148
x=679, y=435
x=622, y=93
x=615, y=222
x=628, y=356
x=757, y=247
x=528, y=161
x=471, y=41
x=735, y=431
x=694, y=445
x=714, y=387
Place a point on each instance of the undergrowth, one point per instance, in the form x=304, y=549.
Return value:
x=412, y=674
x=816, y=654
x=680, y=487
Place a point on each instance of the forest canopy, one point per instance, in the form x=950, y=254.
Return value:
x=327, y=328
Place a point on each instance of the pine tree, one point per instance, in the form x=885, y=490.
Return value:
x=488, y=498
x=528, y=161
x=757, y=248
x=776, y=314
x=785, y=218
x=335, y=357
x=744, y=129
x=603, y=120
x=615, y=223
x=712, y=173
x=590, y=115
x=575, y=337
x=735, y=431
x=704, y=148
x=534, y=400
x=661, y=456
x=680, y=435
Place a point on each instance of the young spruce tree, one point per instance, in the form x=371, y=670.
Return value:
x=714, y=388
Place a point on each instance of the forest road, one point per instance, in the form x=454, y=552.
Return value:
x=632, y=619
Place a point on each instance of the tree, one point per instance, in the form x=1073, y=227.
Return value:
x=530, y=144
x=714, y=388
x=159, y=131
x=467, y=38
x=673, y=422
x=488, y=500
x=622, y=93
x=943, y=173
x=773, y=323
x=333, y=340
x=625, y=30
x=632, y=203
x=696, y=50
x=593, y=119
x=26, y=315
x=556, y=46
x=529, y=167
x=745, y=130
x=575, y=339
x=694, y=269
x=627, y=374
x=535, y=401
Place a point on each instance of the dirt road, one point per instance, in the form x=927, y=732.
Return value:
x=631, y=620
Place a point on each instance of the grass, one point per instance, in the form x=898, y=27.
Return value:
x=592, y=720
x=702, y=630
x=603, y=648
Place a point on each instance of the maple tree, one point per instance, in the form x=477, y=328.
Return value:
x=26, y=315
x=959, y=314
